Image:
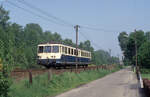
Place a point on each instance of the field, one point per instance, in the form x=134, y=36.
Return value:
x=41, y=87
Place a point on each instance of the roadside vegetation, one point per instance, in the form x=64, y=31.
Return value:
x=4, y=81
x=42, y=87
x=128, y=44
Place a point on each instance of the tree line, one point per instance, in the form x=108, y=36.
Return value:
x=18, y=44
x=139, y=40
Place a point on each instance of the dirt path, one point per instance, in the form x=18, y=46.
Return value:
x=119, y=84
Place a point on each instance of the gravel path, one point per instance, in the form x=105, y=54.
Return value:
x=119, y=84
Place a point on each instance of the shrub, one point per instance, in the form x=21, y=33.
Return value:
x=4, y=83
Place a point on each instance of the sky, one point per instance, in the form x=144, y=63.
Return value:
x=107, y=17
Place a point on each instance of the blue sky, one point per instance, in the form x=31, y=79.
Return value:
x=110, y=16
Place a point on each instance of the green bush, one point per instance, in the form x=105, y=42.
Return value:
x=145, y=71
x=4, y=83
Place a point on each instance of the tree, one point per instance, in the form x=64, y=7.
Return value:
x=144, y=55
x=135, y=39
x=123, y=38
x=57, y=37
x=147, y=35
x=3, y=17
x=68, y=42
x=128, y=44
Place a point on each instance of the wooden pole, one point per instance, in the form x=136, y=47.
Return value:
x=77, y=28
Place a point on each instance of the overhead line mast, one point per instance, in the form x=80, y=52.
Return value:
x=77, y=29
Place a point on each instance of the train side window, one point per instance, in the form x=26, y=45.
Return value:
x=72, y=51
x=68, y=50
x=76, y=52
x=65, y=50
x=40, y=50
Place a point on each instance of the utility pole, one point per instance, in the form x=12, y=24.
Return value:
x=110, y=56
x=77, y=29
x=136, y=50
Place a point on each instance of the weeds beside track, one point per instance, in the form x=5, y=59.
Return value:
x=19, y=74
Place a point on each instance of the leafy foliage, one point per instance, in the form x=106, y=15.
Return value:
x=123, y=38
x=4, y=83
x=137, y=39
x=144, y=55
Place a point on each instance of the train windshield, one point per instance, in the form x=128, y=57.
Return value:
x=55, y=49
x=40, y=50
x=47, y=49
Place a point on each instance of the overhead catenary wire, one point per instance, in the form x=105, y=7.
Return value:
x=47, y=19
x=33, y=13
x=95, y=44
x=96, y=29
x=45, y=13
x=51, y=17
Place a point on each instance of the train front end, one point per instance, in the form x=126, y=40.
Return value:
x=48, y=54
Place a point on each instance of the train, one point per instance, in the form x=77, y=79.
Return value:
x=60, y=55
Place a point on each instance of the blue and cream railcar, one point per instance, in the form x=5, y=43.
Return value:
x=51, y=54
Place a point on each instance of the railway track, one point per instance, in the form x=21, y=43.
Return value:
x=19, y=74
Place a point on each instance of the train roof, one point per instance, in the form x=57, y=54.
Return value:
x=58, y=43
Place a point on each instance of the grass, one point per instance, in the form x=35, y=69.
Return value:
x=145, y=73
x=146, y=76
x=41, y=87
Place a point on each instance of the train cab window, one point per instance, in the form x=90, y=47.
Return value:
x=55, y=49
x=47, y=49
x=65, y=50
x=40, y=50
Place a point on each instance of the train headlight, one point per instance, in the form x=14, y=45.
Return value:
x=39, y=57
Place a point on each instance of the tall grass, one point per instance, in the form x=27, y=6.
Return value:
x=146, y=76
x=41, y=87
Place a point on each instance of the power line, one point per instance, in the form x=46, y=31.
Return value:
x=45, y=13
x=52, y=18
x=55, y=20
x=35, y=14
x=95, y=44
x=97, y=29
